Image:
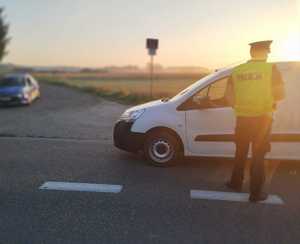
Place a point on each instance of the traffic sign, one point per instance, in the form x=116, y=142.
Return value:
x=152, y=46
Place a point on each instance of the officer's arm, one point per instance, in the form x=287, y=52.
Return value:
x=278, y=85
x=229, y=94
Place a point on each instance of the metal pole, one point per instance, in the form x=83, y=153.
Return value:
x=151, y=76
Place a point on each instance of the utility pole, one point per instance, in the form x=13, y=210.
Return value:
x=152, y=46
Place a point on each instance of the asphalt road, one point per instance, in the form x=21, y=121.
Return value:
x=67, y=136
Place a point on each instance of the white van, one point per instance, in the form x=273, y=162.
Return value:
x=188, y=124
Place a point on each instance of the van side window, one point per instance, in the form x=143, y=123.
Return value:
x=217, y=90
x=212, y=96
x=214, y=93
x=201, y=94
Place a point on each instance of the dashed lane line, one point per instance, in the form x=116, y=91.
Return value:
x=84, y=187
x=231, y=196
x=194, y=194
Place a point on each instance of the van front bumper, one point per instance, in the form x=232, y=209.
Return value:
x=125, y=139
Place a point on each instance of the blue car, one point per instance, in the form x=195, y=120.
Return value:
x=18, y=89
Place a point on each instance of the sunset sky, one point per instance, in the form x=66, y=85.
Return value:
x=209, y=33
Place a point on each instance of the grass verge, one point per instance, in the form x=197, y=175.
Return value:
x=117, y=96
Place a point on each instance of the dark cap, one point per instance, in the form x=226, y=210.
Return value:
x=261, y=44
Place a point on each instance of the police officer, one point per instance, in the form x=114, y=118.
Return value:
x=253, y=90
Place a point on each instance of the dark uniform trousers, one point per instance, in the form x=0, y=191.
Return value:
x=254, y=131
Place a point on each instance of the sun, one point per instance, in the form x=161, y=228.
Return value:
x=290, y=47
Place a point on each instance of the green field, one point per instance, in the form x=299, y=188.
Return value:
x=130, y=90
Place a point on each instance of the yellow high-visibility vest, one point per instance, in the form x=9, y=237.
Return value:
x=252, y=84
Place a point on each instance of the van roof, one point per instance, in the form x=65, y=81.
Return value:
x=222, y=73
x=282, y=64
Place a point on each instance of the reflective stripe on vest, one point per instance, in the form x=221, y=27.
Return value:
x=252, y=83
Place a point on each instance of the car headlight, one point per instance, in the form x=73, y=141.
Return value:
x=23, y=95
x=131, y=116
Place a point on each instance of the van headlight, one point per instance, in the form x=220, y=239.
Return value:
x=131, y=116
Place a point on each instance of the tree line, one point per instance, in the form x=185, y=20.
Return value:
x=4, y=39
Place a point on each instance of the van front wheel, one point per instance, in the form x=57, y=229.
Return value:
x=161, y=148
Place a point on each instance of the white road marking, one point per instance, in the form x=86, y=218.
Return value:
x=231, y=196
x=49, y=139
x=87, y=187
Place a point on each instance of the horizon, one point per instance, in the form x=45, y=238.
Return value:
x=63, y=34
x=144, y=66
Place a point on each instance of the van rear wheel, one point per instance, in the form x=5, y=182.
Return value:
x=161, y=149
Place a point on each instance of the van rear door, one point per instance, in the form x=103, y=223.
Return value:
x=286, y=124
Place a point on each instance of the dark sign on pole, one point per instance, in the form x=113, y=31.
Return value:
x=152, y=43
x=152, y=46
